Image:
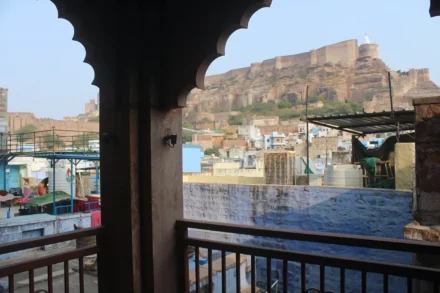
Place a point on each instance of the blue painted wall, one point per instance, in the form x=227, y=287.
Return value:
x=12, y=178
x=192, y=158
x=367, y=212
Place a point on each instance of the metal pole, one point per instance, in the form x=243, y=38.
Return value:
x=53, y=188
x=5, y=164
x=307, y=134
x=53, y=138
x=71, y=186
x=97, y=177
x=391, y=94
x=398, y=131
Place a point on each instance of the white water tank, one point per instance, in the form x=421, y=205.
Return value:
x=62, y=181
x=343, y=176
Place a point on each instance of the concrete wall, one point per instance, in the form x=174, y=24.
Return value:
x=405, y=165
x=370, y=212
x=25, y=227
x=224, y=179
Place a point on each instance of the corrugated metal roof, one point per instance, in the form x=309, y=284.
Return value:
x=367, y=123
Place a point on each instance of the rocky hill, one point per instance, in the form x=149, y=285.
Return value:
x=338, y=72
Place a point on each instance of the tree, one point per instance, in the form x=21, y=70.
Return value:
x=53, y=141
x=212, y=151
x=186, y=138
x=81, y=141
x=341, y=148
x=284, y=103
x=26, y=129
x=187, y=125
x=235, y=119
x=23, y=133
x=315, y=99
x=205, y=120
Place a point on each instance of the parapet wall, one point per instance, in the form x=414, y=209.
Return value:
x=25, y=227
x=369, y=212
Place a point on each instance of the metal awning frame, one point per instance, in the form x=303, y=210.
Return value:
x=367, y=123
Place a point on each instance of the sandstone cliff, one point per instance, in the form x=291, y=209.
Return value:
x=336, y=72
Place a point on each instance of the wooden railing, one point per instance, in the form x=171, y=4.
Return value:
x=47, y=261
x=386, y=269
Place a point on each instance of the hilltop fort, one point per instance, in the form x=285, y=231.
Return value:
x=337, y=72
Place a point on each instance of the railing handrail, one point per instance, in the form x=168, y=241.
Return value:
x=47, y=260
x=50, y=239
x=320, y=237
x=372, y=266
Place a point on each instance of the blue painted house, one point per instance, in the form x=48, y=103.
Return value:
x=192, y=158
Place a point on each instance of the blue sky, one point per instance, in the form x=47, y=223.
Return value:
x=44, y=70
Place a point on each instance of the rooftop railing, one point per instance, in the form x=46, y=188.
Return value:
x=48, y=141
x=30, y=265
x=411, y=274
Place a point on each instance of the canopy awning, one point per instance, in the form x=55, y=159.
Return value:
x=368, y=123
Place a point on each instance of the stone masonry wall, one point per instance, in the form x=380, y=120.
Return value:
x=18, y=120
x=370, y=212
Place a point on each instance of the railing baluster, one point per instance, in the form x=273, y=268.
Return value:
x=322, y=278
x=49, y=279
x=224, y=271
x=197, y=270
x=254, y=267
x=364, y=282
x=409, y=285
x=31, y=281
x=11, y=283
x=285, y=275
x=269, y=275
x=184, y=258
x=303, y=277
x=210, y=287
x=66, y=276
x=81, y=275
x=237, y=273
x=385, y=283
x=342, y=285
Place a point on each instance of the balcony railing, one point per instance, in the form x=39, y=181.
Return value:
x=411, y=273
x=48, y=141
x=48, y=261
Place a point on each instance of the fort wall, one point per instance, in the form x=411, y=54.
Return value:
x=17, y=120
x=345, y=53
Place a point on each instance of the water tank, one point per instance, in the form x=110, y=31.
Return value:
x=62, y=180
x=343, y=176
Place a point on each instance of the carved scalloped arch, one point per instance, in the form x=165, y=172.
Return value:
x=220, y=48
x=90, y=28
x=78, y=35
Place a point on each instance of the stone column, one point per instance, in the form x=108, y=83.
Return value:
x=427, y=204
x=426, y=225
